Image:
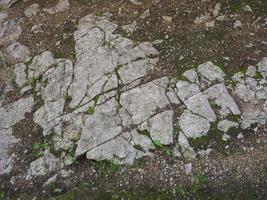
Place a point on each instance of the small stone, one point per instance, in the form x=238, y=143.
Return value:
x=145, y=14
x=251, y=71
x=61, y=6
x=191, y=75
x=237, y=24
x=240, y=136
x=210, y=24
x=247, y=8
x=262, y=67
x=188, y=168
x=36, y=29
x=167, y=19
x=211, y=72
x=226, y=137
x=225, y=125
x=43, y=166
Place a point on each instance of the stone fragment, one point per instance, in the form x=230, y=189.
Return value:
x=244, y=92
x=145, y=14
x=7, y=3
x=32, y=10
x=251, y=71
x=20, y=73
x=199, y=104
x=226, y=137
x=225, y=125
x=161, y=127
x=9, y=32
x=237, y=24
x=40, y=64
x=262, y=67
x=193, y=126
x=43, y=166
x=12, y=113
x=186, y=90
x=187, y=150
x=141, y=103
x=222, y=98
x=211, y=72
x=61, y=6
x=18, y=52
x=191, y=75
x=100, y=127
x=188, y=168
x=118, y=150
x=7, y=141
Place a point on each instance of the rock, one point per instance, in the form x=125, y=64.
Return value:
x=40, y=64
x=57, y=83
x=145, y=14
x=20, y=73
x=237, y=24
x=186, y=90
x=32, y=10
x=101, y=127
x=225, y=125
x=141, y=103
x=188, y=168
x=244, y=92
x=253, y=115
x=191, y=75
x=135, y=2
x=12, y=113
x=61, y=6
x=187, y=150
x=216, y=10
x=193, y=126
x=226, y=137
x=18, y=52
x=130, y=28
x=167, y=19
x=43, y=166
x=36, y=29
x=7, y=141
x=247, y=8
x=51, y=180
x=222, y=98
x=7, y=3
x=161, y=127
x=199, y=104
x=211, y=72
x=251, y=71
x=118, y=150
x=210, y=24
x=262, y=67
x=9, y=32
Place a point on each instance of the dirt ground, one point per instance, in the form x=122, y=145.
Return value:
x=236, y=172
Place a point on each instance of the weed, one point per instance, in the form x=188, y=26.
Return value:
x=39, y=148
x=163, y=148
x=105, y=167
x=2, y=195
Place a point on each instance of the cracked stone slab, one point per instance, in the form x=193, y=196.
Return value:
x=193, y=126
x=102, y=126
x=199, y=104
x=141, y=103
x=118, y=150
x=222, y=98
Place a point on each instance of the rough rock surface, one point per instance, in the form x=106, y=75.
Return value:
x=111, y=104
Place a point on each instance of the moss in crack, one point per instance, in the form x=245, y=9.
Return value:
x=91, y=109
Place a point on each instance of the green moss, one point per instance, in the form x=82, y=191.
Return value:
x=199, y=143
x=105, y=167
